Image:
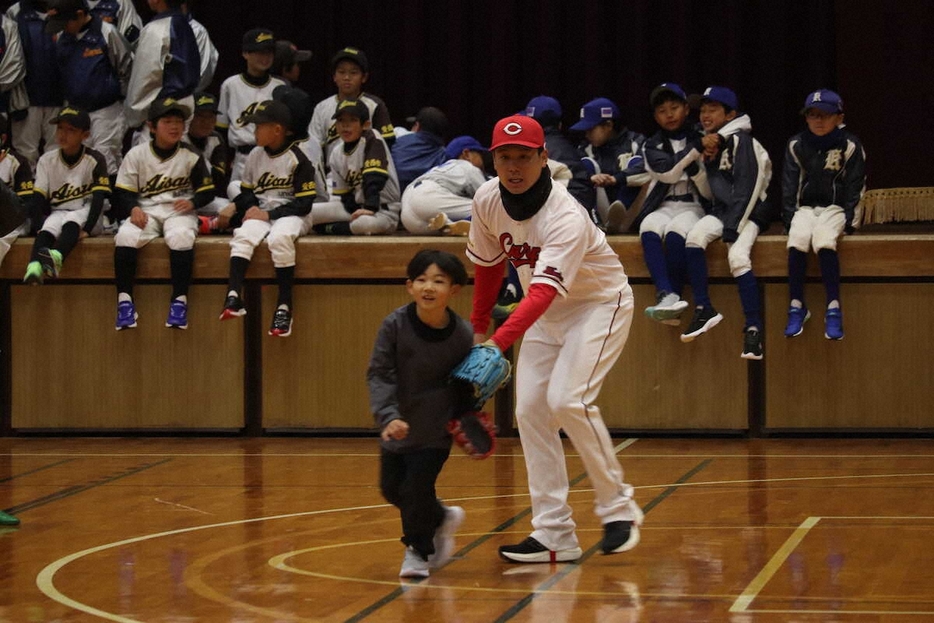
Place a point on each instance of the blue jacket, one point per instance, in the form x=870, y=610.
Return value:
x=42, y=76
x=89, y=78
x=666, y=168
x=622, y=158
x=414, y=154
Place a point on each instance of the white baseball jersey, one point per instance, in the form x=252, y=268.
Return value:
x=312, y=150
x=278, y=179
x=69, y=186
x=369, y=155
x=559, y=246
x=323, y=128
x=238, y=98
x=159, y=182
x=460, y=177
x=16, y=173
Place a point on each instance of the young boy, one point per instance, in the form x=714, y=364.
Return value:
x=160, y=184
x=575, y=317
x=277, y=190
x=362, y=178
x=350, y=69
x=675, y=200
x=73, y=180
x=17, y=179
x=823, y=180
x=612, y=153
x=738, y=171
x=412, y=401
x=241, y=93
x=439, y=200
x=94, y=62
x=207, y=141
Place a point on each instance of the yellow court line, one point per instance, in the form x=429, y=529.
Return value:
x=292, y=455
x=838, y=613
x=771, y=567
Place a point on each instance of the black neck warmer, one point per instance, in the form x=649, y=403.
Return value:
x=525, y=206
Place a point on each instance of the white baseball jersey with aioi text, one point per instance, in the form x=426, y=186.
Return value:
x=278, y=179
x=15, y=173
x=159, y=182
x=324, y=128
x=237, y=100
x=560, y=246
x=70, y=186
x=369, y=154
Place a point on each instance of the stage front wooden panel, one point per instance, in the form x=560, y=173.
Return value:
x=72, y=370
x=662, y=383
x=877, y=377
x=316, y=378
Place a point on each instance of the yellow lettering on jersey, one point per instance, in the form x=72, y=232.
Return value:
x=373, y=163
x=88, y=53
x=353, y=178
x=241, y=120
x=268, y=181
x=161, y=184
x=309, y=186
x=66, y=192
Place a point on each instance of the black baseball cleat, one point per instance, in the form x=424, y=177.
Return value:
x=233, y=308
x=619, y=536
x=530, y=550
x=281, y=323
x=705, y=318
x=752, y=344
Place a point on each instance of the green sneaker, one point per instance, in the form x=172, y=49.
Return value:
x=51, y=261
x=8, y=520
x=34, y=274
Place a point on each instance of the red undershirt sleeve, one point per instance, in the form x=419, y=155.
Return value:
x=530, y=309
x=487, y=282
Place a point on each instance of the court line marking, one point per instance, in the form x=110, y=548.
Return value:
x=45, y=578
x=292, y=455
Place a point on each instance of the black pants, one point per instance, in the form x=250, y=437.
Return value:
x=408, y=482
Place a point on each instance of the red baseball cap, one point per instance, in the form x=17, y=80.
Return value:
x=518, y=130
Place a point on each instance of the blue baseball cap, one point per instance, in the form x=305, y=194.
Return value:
x=825, y=100
x=595, y=112
x=543, y=107
x=666, y=88
x=721, y=95
x=458, y=144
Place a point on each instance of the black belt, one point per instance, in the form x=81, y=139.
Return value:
x=688, y=198
x=245, y=149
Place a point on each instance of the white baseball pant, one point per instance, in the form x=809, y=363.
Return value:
x=57, y=219
x=108, y=125
x=383, y=222
x=179, y=229
x=819, y=228
x=29, y=132
x=561, y=367
x=422, y=203
x=280, y=235
x=710, y=228
x=676, y=217
x=7, y=241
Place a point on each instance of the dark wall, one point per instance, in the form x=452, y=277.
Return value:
x=483, y=59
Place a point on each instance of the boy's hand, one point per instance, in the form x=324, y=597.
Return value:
x=603, y=180
x=396, y=429
x=361, y=212
x=183, y=205
x=711, y=144
x=138, y=217
x=224, y=215
x=82, y=235
x=256, y=213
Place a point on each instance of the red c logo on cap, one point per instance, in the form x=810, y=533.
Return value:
x=512, y=128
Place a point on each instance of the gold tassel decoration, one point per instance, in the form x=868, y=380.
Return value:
x=894, y=205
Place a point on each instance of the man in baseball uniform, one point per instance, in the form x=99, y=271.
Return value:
x=575, y=316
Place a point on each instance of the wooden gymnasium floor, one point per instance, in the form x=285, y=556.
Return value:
x=294, y=529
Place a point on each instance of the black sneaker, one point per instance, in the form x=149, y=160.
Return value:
x=619, y=536
x=233, y=308
x=281, y=323
x=752, y=344
x=705, y=318
x=530, y=550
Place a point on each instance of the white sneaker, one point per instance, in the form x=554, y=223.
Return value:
x=413, y=565
x=668, y=307
x=444, y=536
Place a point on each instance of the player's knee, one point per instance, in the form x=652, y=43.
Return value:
x=739, y=261
x=282, y=250
x=180, y=240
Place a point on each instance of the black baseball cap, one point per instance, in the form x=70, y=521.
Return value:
x=432, y=120
x=300, y=106
x=162, y=107
x=74, y=117
x=355, y=107
x=287, y=54
x=205, y=101
x=351, y=54
x=62, y=11
x=258, y=39
x=271, y=111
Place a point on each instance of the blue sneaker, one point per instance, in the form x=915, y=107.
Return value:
x=126, y=315
x=833, y=324
x=797, y=316
x=178, y=315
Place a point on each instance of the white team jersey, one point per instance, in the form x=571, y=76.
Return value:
x=237, y=100
x=15, y=173
x=560, y=246
x=324, y=128
x=458, y=176
x=312, y=151
x=160, y=182
x=70, y=186
x=278, y=179
x=370, y=154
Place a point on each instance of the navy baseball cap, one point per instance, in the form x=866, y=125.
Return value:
x=721, y=95
x=258, y=39
x=669, y=89
x=161, y=108
x=595, y=112
x=271, y=111
x=355, y=107
x=74, y=117
x=351, y=54
x=518, y=130
x=544, y=108
x=60, y=12
x=825, y=100
x=457, y=146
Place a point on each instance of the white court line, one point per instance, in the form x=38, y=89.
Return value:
x=625, y=445
x=290, y=455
